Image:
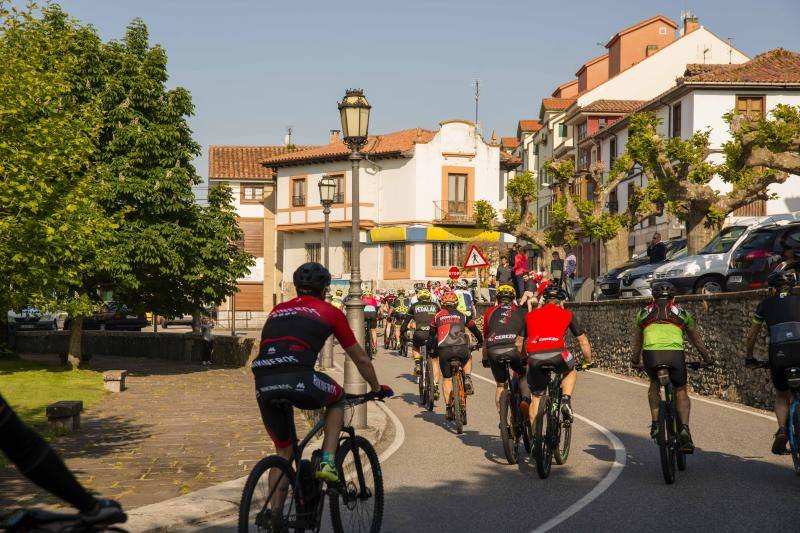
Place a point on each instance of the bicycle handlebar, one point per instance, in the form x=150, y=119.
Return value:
x=358, y=399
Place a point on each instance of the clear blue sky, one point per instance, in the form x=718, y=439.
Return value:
x=255, y=66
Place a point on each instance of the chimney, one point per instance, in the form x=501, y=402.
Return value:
x=334, y=136
x=651, y=49
x=690, y=24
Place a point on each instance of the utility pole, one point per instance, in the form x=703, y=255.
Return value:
x=477, y=84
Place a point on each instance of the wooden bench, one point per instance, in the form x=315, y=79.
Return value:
x=65, y=415
x=114, y=380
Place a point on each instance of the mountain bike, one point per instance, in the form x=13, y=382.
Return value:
x=669, y=425
x=405, y=341
x=792, y=375
x=515, y=424
x=38, y=520
x=552, y=435
x=457, y=403
x=282, y=495
x=368, y=347
x=425, y=380
x=390, y=342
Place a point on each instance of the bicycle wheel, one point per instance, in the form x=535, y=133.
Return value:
x=794, y=437
x=542, y=453
x=458, y=402
x=268, y=498
x=422, y=380
x=431, y=384
x=357, y=504
x=680, y=457
x=561, y=451
x=507, y=428
x=665, y=444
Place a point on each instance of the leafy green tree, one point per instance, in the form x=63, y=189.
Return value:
x=516, y=220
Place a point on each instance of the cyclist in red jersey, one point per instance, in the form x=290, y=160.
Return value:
x=292, y=337
x=546, y=328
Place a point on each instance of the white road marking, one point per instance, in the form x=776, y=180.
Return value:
x=692, y=396
x=620, y=459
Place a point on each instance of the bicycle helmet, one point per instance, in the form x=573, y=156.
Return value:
x=506, y=292
x=662, y=290
x=367, y=293
x=783, y=278
x=401, y=292
x=424, y=295
x=448, y=299
x=312, y=278
x=554, y=292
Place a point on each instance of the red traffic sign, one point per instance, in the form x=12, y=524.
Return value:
x=454, y=273
x=475, y=258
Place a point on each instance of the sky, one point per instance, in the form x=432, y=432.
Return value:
x=254, y=67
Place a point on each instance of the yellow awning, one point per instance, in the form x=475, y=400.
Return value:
x=387, y=234
x=440, y=233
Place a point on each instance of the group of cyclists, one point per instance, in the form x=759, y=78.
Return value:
x=440, y=317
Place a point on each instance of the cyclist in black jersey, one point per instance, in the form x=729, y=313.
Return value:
x=780, y=311
x=40, y=463
x=421, y=312
x=398, y=311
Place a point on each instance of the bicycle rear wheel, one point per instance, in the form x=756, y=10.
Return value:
x=794, y=437
x=542, y=452
x=561, y=451
x=422, y=379
x=459, y=416
x=431, y=384
x=665, y=444
x=680, y=457
x=268, y=499
x=357, y=502
x=507, y=428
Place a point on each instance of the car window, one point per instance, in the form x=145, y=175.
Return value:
x=676, y=253
x=759, y=240
x=792, y=239
x=724, y=240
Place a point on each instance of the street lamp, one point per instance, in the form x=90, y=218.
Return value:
x=327, y=190
x=354, y=110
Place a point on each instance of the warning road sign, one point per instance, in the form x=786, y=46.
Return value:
x=475, y=259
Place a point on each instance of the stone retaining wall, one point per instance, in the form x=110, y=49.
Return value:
x=723, y=321
x=185, y=347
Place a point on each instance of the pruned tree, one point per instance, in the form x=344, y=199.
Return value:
x=516, y=220
x=681, y=171
x=774, y=144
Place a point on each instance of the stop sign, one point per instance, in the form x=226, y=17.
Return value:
x=454, y=272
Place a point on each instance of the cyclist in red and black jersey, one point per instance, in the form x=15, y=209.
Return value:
x=292, y=337
x=546, y=328
x=448, y=339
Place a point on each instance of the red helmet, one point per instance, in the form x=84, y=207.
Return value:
x=448, y=298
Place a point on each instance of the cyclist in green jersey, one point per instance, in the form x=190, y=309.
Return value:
x=659, y=338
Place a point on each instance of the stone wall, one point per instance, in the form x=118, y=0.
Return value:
x=723, y=321
x=185, y=347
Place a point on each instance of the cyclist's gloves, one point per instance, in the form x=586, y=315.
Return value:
x=386, y=392
x=105, y=512
x=587, y=365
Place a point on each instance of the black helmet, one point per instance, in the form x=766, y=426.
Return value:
x=554, y=292
x=311, y=277
x=782, y=278
x=662, y=290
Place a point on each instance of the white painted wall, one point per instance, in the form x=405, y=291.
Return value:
x=244, y=210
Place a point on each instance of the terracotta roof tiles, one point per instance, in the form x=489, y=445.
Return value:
x=613, y=106
x=558, y=104
x=775, y=66
x=509, y=143
x=244, y=162
x=529, y=125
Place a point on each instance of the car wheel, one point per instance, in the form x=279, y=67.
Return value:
x=709, y=285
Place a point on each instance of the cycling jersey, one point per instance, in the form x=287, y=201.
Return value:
x=781, y=313
x=423, y=314
x=337, y=302
x=295, y=332
x=400, y=306
x=464, y=302
x=449, y=329
x=663, y=324
x=546, y=328
x=502, y=325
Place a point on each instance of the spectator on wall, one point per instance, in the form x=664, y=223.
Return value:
x=656, y=249
x=557, y=267
x=570, y=265
x=520, y=267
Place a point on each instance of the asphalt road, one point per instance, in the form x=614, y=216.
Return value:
x=440, y=481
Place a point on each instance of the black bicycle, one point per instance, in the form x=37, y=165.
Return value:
x=368, y=346
x=281, y=496
x=457, y=403
x=515, y=424
x=24, y=520
x=425, y=380
x=552, y=435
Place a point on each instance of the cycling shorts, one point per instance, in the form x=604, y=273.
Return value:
x=303, y=387
x=781, y=357
x=447, y=353
x=420, y=338
x=371, y=319
x=497, y=354
x=675, y=359
x=537, y=378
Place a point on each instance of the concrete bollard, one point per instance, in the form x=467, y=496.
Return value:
x=114, y=380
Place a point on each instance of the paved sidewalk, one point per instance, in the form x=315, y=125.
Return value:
x=178, y=428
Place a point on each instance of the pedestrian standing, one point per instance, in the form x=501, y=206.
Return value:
x=557, y=268
x=206, y=330
x=520, y=267
x=570, y=265
x=656, y=249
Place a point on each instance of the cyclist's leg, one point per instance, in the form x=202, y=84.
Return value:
x=537, y=382
x=570, y=375
x=445, y=355
x=374, y=332
x=500, y=375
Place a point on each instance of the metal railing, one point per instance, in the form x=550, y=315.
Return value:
x=298, y=201
x=453, y=212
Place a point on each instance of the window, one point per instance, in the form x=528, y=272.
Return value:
x=252, y=194
x=583, y=158
x=583, y=129
x=602, y=123
x=398, y=256
x=298, y=192
x=562, y=129
x=347, y=250
x=457, y=194
x=750, y=106
x=446, y=254
x=676, y=120
x=313, y=252
x=724, y=240
x=338, y=195
x=662, y=30
x=612, y=151
x=536, y=149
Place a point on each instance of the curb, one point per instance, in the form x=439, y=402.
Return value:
x=223, y=499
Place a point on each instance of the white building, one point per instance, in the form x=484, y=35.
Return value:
x=417, y=193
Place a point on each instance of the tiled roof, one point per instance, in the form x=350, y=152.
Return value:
x=558, y=104
x=613, y=106
x=641, y=24
x=391, y=144
x=563, y=86
x=243, y=162
x=509, y=143
x=775, y=66
x=591, y=62
x=529, y=125
x=508, y=160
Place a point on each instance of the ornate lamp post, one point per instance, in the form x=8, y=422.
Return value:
x=327, y=190
x=354, y=110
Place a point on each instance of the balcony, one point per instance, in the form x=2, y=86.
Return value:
x=338, y=198
x=453, y=213
x=298, y=201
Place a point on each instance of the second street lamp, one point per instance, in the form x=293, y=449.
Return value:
x=354, y=110
x=327, y=190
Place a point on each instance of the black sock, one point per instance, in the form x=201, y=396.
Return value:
x=566, y=398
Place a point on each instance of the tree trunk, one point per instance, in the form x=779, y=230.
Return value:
x=698, y=234
x=616, y=249
x=74, y=354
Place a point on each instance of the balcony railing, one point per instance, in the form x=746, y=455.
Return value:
x=298, y=201
x=453, y=213
x=338, y=198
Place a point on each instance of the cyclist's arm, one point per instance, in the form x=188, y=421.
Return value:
x=404, y=325
x=583, y=341
x=752, y=337
x=636, y=348
x=432, y=338
x=694, y=338
x=475, y=331
x=364, y=365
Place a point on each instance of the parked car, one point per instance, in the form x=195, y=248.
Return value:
x=635, y=282
x=30, y=318
x=113, y=316
x=706, y=271
x=763, y=251
x=185, y=320
x=610, y=282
